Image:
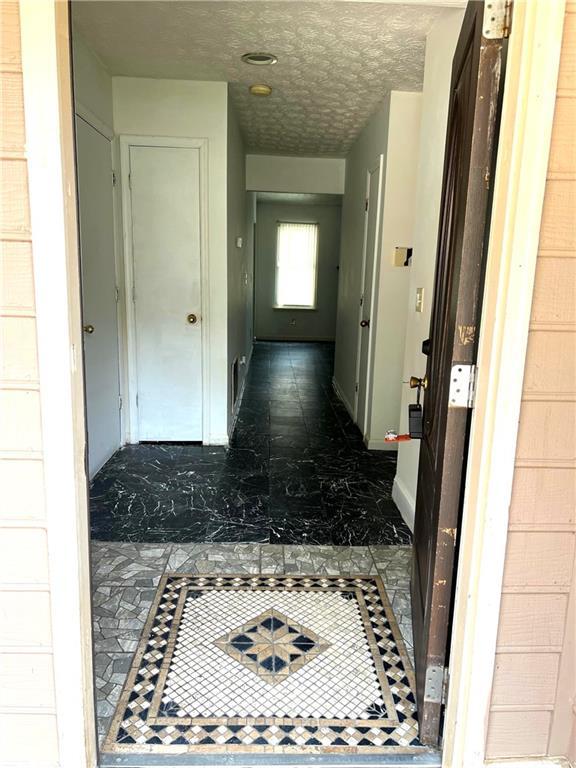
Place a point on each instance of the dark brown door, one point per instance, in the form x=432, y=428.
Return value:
x=463, y=231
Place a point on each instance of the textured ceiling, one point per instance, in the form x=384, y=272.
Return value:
x=336, y=60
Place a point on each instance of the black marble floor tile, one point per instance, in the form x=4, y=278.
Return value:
x=296, y=471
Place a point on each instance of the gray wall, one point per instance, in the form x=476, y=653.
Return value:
x=363, y=156
x=300, y=324
x=238, y=278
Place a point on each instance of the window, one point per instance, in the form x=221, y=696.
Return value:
x=296, y=262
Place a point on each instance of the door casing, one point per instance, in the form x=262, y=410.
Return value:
x=364, y=377
x=130, y=362
x=108, y=417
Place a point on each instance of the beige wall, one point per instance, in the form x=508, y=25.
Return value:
x=28, y=731
x=534, y=687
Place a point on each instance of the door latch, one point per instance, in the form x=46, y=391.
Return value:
x=462, y=386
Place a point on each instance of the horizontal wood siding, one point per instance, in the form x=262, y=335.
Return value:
x=28, y=733
x=534, y=685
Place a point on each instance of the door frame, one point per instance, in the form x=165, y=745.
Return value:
x=129, y=348
x=528, y=110
x=86, y=116
x=525, y=134
x=378, y=165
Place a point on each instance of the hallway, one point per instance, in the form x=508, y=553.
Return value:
x=296, y=471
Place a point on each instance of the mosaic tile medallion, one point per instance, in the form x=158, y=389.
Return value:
x=257, y=663
x=272, y=645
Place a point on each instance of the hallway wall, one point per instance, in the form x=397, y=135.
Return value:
x=309, y=324
x=92, y=84
x=94, y=131
x=440, y=45
x=399, y=189
x=239, y=308
x=363, y=157
x=275, y=173
x=392, y=132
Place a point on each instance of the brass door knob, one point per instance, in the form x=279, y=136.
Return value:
x=192, y=319
x=416, y=383
x=88, y=329
x=364, y=323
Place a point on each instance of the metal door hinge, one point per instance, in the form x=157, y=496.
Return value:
x=117, y=294
x=445, y=684
x=462, y=386
x=366, y=204
x=113, y=178
x=119, y=402
x=434, y=684
x=356, y=388
x=130, y=181
x=497, y=19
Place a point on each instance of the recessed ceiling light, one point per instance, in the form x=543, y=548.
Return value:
x=259, y=59
x=260, y=90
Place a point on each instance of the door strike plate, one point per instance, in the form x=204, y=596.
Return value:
x=462, y=378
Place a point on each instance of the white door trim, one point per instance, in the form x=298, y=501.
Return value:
x=129, y=348
x=526, y=127
x=378, y=166
x=49, y=120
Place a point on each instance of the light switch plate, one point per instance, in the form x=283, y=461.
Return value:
x=419, y=300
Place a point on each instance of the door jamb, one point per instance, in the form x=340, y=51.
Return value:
x=525, y=133
x=377, y=166
x=129, y=348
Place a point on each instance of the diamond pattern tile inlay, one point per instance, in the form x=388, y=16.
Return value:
x=272, y=645
x=268, y=663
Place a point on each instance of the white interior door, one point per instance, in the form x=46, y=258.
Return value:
x=368, y=297
x=165, y=207
x=99, y=298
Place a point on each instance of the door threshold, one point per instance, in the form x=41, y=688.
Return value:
x=426, y=759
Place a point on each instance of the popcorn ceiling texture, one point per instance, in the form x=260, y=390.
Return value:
x=337, y=60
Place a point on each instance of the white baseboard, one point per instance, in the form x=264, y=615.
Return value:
x=529, y=762
x=217, y=440
x=341, y=396
x=239, y=398
x=379, y=444
x=304, y=339
x=405, y=502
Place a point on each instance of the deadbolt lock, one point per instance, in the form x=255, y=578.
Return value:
x=192, y=319
x=88, y=329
